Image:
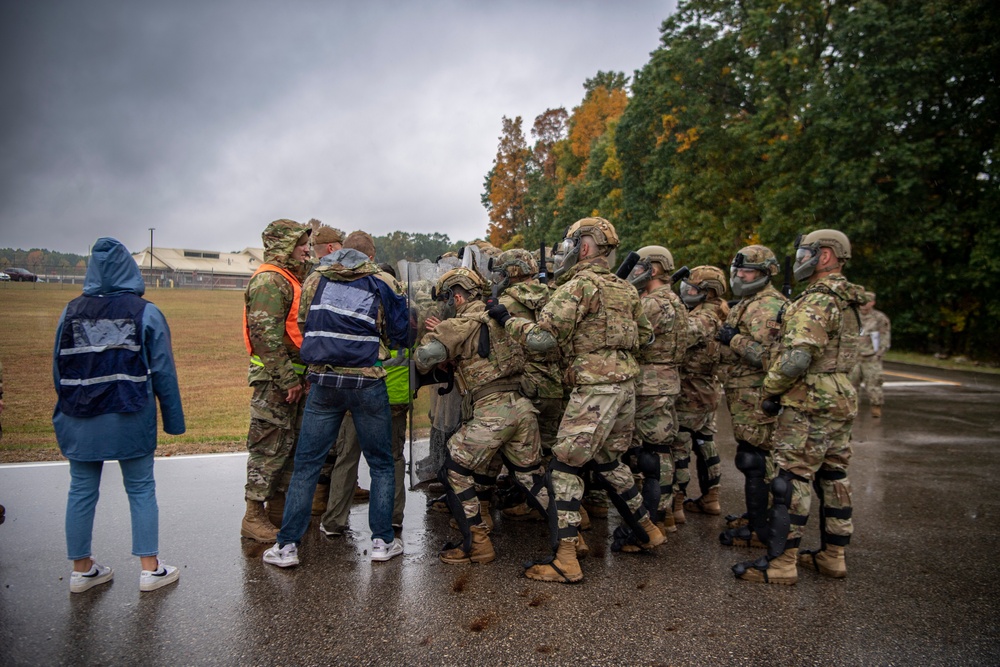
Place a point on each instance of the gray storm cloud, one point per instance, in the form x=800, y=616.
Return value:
x=206, y=120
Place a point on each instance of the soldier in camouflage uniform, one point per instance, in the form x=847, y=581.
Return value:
x=659, y=381
x=597, y=322
x=702, y=293
x=523, y=295
x=808, y=383
x=876, y=338
x=497, y=418
x=748, y=337
x=276, y=372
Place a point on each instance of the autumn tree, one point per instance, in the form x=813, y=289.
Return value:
x=507, y=184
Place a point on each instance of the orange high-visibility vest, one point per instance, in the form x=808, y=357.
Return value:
x=292, y=321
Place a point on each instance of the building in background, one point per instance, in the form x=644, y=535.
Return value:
x=205, y=269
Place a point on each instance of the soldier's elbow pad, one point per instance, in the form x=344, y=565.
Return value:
x=794, y=363
x=540, y=341
x=429, y=354
x=754, y=356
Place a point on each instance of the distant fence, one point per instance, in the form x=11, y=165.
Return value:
x=153, y=278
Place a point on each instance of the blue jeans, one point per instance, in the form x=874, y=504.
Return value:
x=85, y=489
x=325, y=409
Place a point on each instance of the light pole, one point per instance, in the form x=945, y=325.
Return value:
x=151, y=252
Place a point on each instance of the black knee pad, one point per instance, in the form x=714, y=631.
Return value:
x=648, y=462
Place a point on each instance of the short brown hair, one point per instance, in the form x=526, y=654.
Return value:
x=362, y=242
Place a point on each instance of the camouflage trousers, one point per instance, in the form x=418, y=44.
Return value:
x=656, y=425
x=868, y=370
x=597, y=426
x=698, y=430
x=750, y=424
x=550, y=412
x=505, y=423
x=817, y=450
x=274, y=429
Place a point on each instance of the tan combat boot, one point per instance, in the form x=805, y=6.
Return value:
x=565, y=568
x=781, y=570
x=679, y=517
x=655, y=535
x=581, y=547
x=584, y=518
x=320, y=498
x=829, y=561
x=522, y=512
x=255, y=524
x=276, y=507
x=876, y=411
x=667, y=524
x=481, y=551
x=484, y=514
x=707, y=504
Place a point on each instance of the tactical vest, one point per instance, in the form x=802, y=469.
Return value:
x=342, y=324
x=505, y=360
x=612, y=326
x=702, y=358
x=768, y=300
x=101, y=366
x=841, y=353
x=668, y=346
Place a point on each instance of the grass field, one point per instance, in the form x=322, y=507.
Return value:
x=208, y=350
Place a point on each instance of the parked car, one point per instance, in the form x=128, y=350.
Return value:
x=3, y=276
x=22, y=275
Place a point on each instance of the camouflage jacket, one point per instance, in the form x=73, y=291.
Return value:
x=875, y=326
x=824, y=321
x=659, y=363
x=268, y=299
x=357, y=267
x=699, y=386
x=460, y=336
x=596, y=320
x=542, y=373
x=744, y=362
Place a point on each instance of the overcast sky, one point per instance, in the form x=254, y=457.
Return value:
x=207, y=120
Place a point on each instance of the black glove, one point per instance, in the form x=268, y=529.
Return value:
x=726, y=333
x=771, y=405
x=497, y=310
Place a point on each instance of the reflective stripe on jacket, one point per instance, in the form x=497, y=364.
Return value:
x=342, y=324
x=100, y=359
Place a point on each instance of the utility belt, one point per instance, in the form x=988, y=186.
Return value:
x=496, y=387
x=299, y=369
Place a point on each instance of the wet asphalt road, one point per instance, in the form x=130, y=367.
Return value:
x=923, y=586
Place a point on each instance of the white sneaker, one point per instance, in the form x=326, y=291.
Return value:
x=164, y=575
x=84, y=581
x=382, y=551
x=285, y=556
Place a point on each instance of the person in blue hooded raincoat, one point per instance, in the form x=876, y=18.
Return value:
x=112, y=361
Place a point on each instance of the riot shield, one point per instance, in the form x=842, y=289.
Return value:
x=427, y=455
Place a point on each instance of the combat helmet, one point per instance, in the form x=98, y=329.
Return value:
x=807, y=250
x=568, y=252
x=757, y=257
x=649, y=255
x=700, y=280
x=444, y=291
x=511, y=264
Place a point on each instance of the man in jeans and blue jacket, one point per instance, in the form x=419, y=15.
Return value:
x=351, y=314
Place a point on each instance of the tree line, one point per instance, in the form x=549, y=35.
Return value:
x=757, y=120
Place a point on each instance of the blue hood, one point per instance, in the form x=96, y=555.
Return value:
x=112, y=270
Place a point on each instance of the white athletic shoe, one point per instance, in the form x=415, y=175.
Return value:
x=84, y=581
x=382, y=551
x=285, y=556
x=163, y=575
